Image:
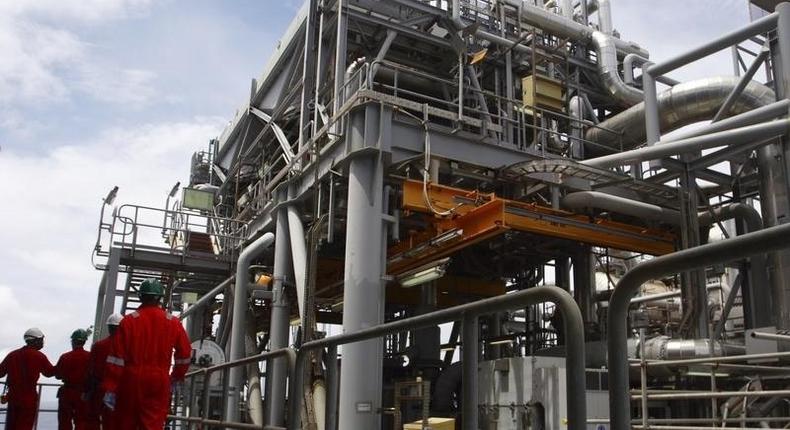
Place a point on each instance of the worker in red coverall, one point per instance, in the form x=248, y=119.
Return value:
x=72, y=369
x=137, y=378
x=99, y=416
x=23, y=367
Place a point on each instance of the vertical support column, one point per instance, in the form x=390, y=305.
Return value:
x=363, y=297
x=584, y=282
x=340, y=59
x=97, y=322
x=280, y=322
x=780, y=281
x=470, y=351
x=308, y=71
x=110, y=285
x=331, y=388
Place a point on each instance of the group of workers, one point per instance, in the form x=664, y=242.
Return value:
x=124, y=382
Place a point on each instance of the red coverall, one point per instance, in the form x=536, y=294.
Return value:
x=99, y=416
x=23, y=367
x=72, y=369
x=138, y=367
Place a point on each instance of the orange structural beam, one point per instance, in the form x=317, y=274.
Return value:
x=478, y=216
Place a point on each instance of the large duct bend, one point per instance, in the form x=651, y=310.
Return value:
x=597, y=200
x=239, y=327
x=681, y=105
x=608, y=69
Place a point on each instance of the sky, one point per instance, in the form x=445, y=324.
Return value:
x=98, y=93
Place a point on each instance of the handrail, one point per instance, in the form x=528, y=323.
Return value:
x=287, y=353
x=575, y=354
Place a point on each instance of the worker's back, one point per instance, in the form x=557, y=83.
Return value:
x=147, y=337
x=72, y=368
x=23, y=367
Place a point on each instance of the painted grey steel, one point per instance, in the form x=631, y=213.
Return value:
x=97, y=322
x=470, y=354
x=727, y=250
x=745, y=79
x=582, y=200
x=574, y=348
x=631, y=60
x=340, y=58
x=332, y=387
x=110, y=286
x=287, y=354
x=363, y=295
x=756, y=295
x=238, y=329
x=681, y=105
x=739, y=136
x=207, y=298
x=755, y=28
x=770, y=336
x=280, y=321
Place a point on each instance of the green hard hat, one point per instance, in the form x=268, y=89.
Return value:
x=152, y=287
x=80, y=335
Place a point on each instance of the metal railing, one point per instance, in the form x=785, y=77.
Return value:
x=141, y=227
x=205, y=373
x=39, y=390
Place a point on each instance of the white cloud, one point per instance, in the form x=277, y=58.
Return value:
x=52, y=206
x=45, y=62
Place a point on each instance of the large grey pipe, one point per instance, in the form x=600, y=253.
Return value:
x=595, y=199
x=238, y=330
x=207, y=298
x=681, y=105
x=770, y=239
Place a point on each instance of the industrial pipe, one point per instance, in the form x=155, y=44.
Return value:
x=280, y=322
x=595, y=199
x=681, y=105
x=240, y=303
x=207, y=298
x=766, y=240
x=574, y=333
x=738, y=136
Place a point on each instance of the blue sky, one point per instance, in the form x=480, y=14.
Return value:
x=96, y=93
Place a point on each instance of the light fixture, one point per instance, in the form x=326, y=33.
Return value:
x=501, y=342
x=427, y=273
x=111, y=196
x=174, y=190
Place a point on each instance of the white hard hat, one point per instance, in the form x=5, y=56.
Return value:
x=34, y=333
x=114, y=319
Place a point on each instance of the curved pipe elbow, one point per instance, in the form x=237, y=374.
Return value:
x=740, y=211
x=606, y=51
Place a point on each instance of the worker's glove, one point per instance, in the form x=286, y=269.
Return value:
x=109, y=401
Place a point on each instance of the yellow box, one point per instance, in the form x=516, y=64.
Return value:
x=541, y=91
x=435, y=423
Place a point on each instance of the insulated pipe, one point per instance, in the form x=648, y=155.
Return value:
x=738, y=136
x=566, y=28
x=298, y=254
x=207, y=298
x=681, y=105
x=566, y=8
x=766, y=240
x=280, y=322
x=240, y=303
x=595, y=199
x=608, y=69
x=254, y=398
x=605, y=17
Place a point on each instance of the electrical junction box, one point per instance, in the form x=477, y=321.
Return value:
x=543, y=92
